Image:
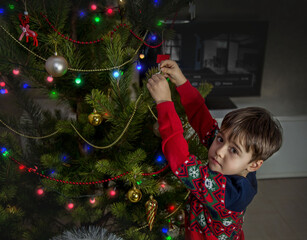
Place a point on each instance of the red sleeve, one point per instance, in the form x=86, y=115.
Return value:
x=197, y=112
x=207, y=186
x=174, y=146
x=191, y=172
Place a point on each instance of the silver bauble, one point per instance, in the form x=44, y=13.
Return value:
x=56, y=66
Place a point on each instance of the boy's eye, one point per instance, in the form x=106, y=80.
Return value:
x=219, y=139
x=233, y=150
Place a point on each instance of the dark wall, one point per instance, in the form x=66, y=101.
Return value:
x=285, y=65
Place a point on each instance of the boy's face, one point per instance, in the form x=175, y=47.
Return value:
x=229, y=157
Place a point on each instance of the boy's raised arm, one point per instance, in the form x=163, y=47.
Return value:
x=192, y=101
x=197, y=112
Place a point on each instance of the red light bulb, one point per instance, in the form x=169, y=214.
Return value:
x=93, y=7
x=50, y=79
x=2, y=84
x=16, y=71
x=70, y=205
x=110, y=11
x=40, y=191
x=21, y=167
x=92, y=200
x=172, y=208
x=112, y=193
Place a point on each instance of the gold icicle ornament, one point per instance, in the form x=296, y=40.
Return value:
x=151, y=211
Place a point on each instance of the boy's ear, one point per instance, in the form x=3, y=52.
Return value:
x=254, y=165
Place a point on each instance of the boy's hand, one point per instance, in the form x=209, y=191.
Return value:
x=159, y=88
x=173, y=72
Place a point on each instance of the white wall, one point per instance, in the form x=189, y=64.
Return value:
x=291, y=159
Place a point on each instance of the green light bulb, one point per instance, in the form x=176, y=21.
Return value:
x=97, y=19
x=11, y=6
x=78, y=80
x=53, y=94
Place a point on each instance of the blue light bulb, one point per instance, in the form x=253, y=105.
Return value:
x=159, y=159
x=164, y=230
x=64, y=158
x=82, y=14
x=139, y=67
x=3, y=150
x=116, y=74
x=25, y=85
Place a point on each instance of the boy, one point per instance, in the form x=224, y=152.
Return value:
x=221, y=190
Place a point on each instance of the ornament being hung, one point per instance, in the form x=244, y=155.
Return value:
x=56, y=66
x=151, y=211
x=26, y=29
x=134, y=194
x=95, y=118
x=160, y=58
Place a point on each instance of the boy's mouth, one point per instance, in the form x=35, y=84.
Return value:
x=215, y=162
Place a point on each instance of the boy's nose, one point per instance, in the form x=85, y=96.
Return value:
x=220, y=151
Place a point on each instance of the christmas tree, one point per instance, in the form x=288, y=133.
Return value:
x=98, y=167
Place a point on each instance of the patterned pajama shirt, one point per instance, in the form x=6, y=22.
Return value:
x=217, y=202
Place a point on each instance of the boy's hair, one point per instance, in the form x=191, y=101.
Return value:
x=256, y=129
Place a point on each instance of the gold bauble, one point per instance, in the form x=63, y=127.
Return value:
x=11, y=209
x=95, y=118
x=156, y=129
x=134, y=195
